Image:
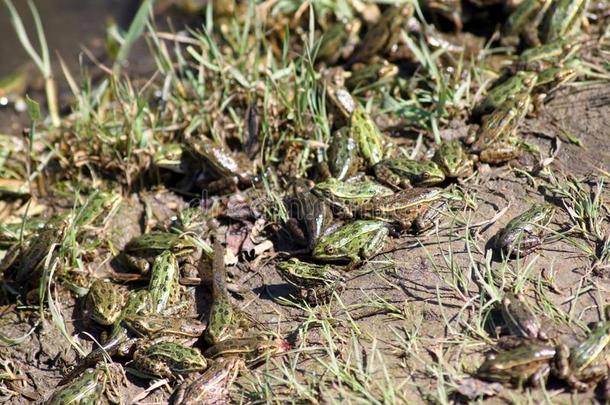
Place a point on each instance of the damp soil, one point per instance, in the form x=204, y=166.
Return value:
x=411, y=274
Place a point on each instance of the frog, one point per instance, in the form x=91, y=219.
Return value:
x=141, y=251
x=344, y=197
x=520, y=321
x=104, y=302
x=496, y=140
x=401, y=173
x=528, y=363
x=163, y=285
x=362, y=128
x=366, y=132
x=537, y=59
x=374, y=75
x=524, y=233
x=583, y=365
x=554, y=77
x=383, y=35
x=225, y=360
x=507, y=87
x=338, y=41
x=525, y=20
x=91, y=211
x=453, y=160
x=119, y=342
x=343, y=155
x=165, y=359
x=154, y=326
x=91, y=387
x=310, y=213
x=252, y=349
x=316, y=283
x=542, y=22
x=211, y=386
x=168, y=156
x=405, y=209
x=225, y=167
x=353, y=242
x=562, y=19
x=24, y=259
x=12, y=232
x=224, y=320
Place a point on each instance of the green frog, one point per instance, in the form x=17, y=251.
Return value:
x=496, y=140
x=91, y=211
x=164, y=359
x=562, y=19
x=542, y=22
x=554, y=77
x=316, y=283
x=23, y=260
x=352, y=242
x=401, y=173
x=548, y=55
x=119, y=341
x=525, y=19
x=104, y=302
x=453, y=160
x=168, y=156
x=529, y=363
x=91, y=387
x=229, y=357
x=406, y=209
x=382, y=36
x=362, y=128
x=253, y=349
x=338, y=41
x=345, y=197
x=583, y=365
x=524, y=233
x=11, y=233
x=373, y=75
x=155, y=326
x=141, y=251
x=499, y=93
x=163, y=285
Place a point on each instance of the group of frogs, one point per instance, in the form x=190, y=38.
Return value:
x=364, y=193
x=529, y=354
x=377, y=193
x=150, y=326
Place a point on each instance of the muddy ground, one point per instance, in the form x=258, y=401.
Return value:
x=422, y=327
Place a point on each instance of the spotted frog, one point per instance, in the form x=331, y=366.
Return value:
x=352, y=242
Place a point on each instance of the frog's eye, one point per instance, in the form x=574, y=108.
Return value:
x=330, y=249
